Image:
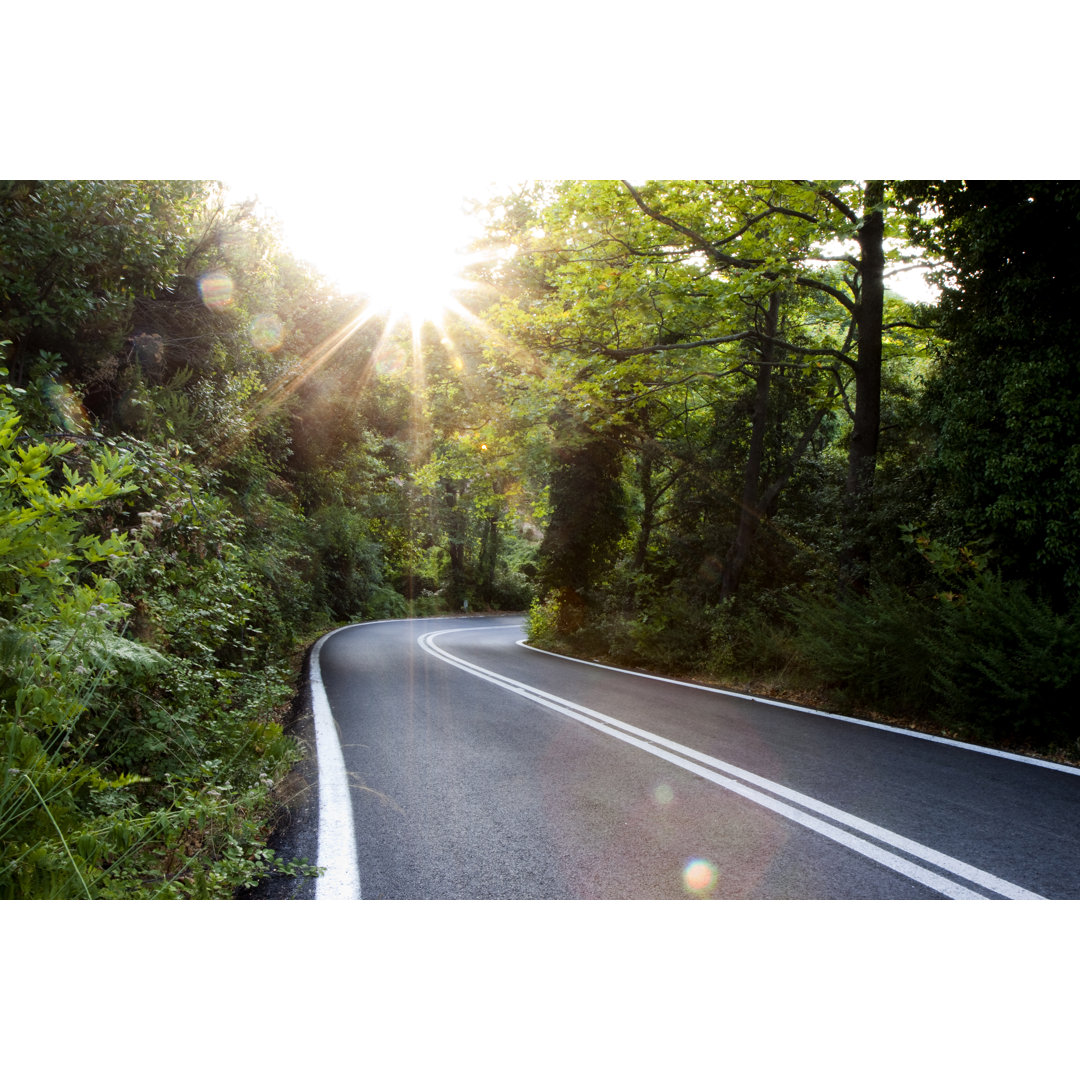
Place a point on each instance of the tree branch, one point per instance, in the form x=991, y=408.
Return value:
x=722, y=259
x=648, y=350
x=833, y=200
x=700, y=241
x=774, y=489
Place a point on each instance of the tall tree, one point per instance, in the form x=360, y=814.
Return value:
x=835, y=216
x=74, y=257
x=589, y=511
x=866, y=307
x=648, y=288
x=1005, y=400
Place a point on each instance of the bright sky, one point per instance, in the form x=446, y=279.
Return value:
x=398, y=241
x=913, y=286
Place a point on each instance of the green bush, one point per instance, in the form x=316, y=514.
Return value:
x=126, y=769
x=992, y=662
x=752, y=639
x=511, y=591
x=58, y=646
x=423, y=606
x=349, y=565
x=1007, y=666
x=383, y=602
x=875, y=650
x=672, y=633
x=543, y=622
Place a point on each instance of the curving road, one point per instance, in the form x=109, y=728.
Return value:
x=474, y=767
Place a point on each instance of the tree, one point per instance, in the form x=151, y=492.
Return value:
x=645, y=289
x=75, y=257
x=589, y=511
x=1005, y=399
x=836, y=216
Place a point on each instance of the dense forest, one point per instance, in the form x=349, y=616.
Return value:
x=687, y=426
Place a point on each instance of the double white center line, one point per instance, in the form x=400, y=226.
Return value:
x=852, y=832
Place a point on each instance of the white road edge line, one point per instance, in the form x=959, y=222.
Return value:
x=337, y=852
x=815, y=712
x=652, y=744
x=337, y=829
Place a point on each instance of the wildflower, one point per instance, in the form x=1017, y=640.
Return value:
x=151, y=520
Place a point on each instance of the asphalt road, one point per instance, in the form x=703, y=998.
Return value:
x=473, y=767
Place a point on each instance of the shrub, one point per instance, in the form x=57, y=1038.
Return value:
x=672, y=633
x=125, y=770
x=875, y=650
x=543, y=621
x=383, y=602
x=1007, y=666
x=749, y=639
x=511, y=591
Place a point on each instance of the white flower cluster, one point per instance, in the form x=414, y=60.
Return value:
x=150, y=521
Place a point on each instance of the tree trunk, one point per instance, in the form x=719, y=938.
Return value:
x=650, y=497
x=456, y=527
x=489, y=557
x=862, y=452
x=750, y=510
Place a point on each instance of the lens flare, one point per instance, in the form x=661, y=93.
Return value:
x=699, y=877
x=711, y=569
x=67, y=408
x=216, y=290
x=662, y=794
x=391, y=360
x=267, y=332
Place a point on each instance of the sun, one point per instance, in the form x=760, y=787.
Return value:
x=409, y=280
x=400, y=246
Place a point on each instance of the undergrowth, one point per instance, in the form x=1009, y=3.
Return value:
x=988, y=662
x=140, y=731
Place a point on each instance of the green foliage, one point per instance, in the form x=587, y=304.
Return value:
x=589, y=514
x=672, y=633
x=754, y=638
x=1005, y=399
x=543, y=621
x=128, y=769
x=1006, y=665
x=57, y=599
x=873, y=651
x=76, y=255
x=163, y=548
x=477, y=509
x=993, y=663
x=708, y=332
x=639, y=312
x=349, y=562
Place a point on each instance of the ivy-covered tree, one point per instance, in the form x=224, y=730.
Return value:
x=589, y=512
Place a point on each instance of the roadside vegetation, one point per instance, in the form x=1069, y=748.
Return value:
x=206, y=460
x=689, y=426
x=772, y=471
